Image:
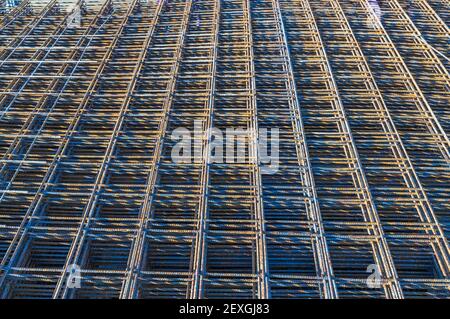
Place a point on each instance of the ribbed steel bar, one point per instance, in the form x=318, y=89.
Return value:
x=23, y=13
x=34, y=121
x=421, y=58
x=326, y=268
x=199, y=261
x=273, y=61
x=425, y=142
x=389, y=171
x=254, y=137
x=7, y=13
x=432, y=28
x=82, y=245
x=45, y=204
x=25, y=142
x=232, y=254
x=17, y=37
x=442, y=9
x=180, y=10
x=339, y=177
x=224, y=149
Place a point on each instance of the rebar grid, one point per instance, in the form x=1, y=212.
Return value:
x=442, y=9
x=359, y=91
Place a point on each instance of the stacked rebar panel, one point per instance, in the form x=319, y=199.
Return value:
x=92, y=92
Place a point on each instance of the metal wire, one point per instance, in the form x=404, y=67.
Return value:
x=359, y=91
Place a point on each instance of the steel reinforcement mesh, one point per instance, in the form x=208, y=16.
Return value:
x=92, y=91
